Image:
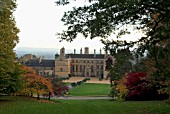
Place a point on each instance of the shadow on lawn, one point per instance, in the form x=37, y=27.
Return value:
x=8, y=99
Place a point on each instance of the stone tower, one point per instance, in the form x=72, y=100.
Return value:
x=62, y=51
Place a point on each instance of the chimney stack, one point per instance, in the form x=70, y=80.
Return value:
x=81, y=51
x=86, y=50
x=74, y=51
x=94, y=53
x=100, y=51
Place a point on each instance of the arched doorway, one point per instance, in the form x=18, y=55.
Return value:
x=87, y=71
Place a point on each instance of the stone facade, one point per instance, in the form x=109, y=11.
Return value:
x=82, y=64
x=61, y=64
x=88, y=65
x=41, y=66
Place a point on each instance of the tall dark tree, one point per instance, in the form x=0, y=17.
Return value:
x=120, y=64
x=8, y=40
x=160, y=57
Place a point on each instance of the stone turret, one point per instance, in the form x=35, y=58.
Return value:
x=62, y=51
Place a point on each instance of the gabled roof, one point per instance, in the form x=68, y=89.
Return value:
x=85, y=56
x=40, y=63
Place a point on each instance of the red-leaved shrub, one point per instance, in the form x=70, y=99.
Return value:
x=139, y=88
x=134, y=79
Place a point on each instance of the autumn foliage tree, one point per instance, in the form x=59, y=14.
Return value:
x=34, y=83
x=59, y=88
x=140, y=88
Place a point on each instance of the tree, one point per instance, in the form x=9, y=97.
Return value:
x=159, y=63
x=8, y=40
x=139, y=88
x=103, y=17
x=59, y=87
x=15, y=81
x=34, y=83
x=121, y=66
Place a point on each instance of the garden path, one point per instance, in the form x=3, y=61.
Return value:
x=83, y=98
x=92, y=80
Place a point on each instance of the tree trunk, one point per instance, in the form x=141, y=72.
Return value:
x=169, y=91
x=38, y=96
x=49, y=95
x=31, y=94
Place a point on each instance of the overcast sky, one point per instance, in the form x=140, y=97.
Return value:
x=39, y=21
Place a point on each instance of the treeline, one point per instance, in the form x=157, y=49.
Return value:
x=28, y=83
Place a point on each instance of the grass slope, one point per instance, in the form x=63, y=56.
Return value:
x=20, y=105
x=91, y=89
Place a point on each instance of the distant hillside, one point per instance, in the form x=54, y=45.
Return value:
x=47, y=53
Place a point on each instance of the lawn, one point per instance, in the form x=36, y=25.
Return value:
x=67, y=83
x=22, y=105
x=91, y=89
